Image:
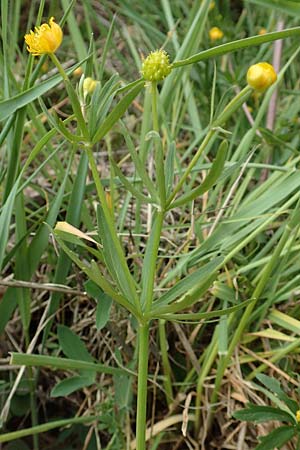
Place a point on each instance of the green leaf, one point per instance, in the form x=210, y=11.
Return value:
x=8, y=107
x=93, y=272
x=115, y=259
x=24, y=359
x=72, y=345
x=5, y=218
x=238, y=45
x=210, y=180
x=284, y=6
x=205, y=315
x=104, y=303
x=100, y=103
x=58, y=124
x=69, y=385
x=274, y=386
x=276, y=438
x=262, y=414
x=197, y=277
x=139, y=165
x=271, y=383
x=117, y=112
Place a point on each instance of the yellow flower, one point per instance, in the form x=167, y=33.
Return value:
x=261, y=76
x=262, y=31
x=156, y=66
x=215, y=33
x=298, y=416
x=78, y=72
x=44, y=39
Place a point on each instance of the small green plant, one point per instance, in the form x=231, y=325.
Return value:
x=286, y=410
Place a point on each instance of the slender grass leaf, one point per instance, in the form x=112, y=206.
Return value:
x=8, y=107
x=7, y=437
x=284, y=6
x=238, y=45
x=24, y=359
x=74, y=30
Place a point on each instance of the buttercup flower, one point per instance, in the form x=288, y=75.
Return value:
x=298, y=416
x=262, y=31
x=78, y=72
x=215, y=33
x=156, y=66
x=44, y=39
x=261, y=76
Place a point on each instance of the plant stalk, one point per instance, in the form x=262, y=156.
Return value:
x=143, y=337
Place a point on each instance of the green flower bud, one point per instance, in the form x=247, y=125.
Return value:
x=89, y=85
x=156, y=66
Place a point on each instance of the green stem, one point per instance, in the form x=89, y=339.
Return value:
x=73, y=97
x=232, y=106
x=59, y=67
x=165, y=361
x=211, y=353
x=150, y=262
x=7, y=437
x=192, y=164
x=159, y=152
x=143, y=336
x=154, y=106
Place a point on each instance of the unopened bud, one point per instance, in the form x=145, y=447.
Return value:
x=89, y=85
x=261, y=76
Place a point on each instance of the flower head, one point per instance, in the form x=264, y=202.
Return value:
x=44, y=39
x=262, y=31
x=298, y=416
x=261, y=76
x=215, y=33
x=156, y=66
